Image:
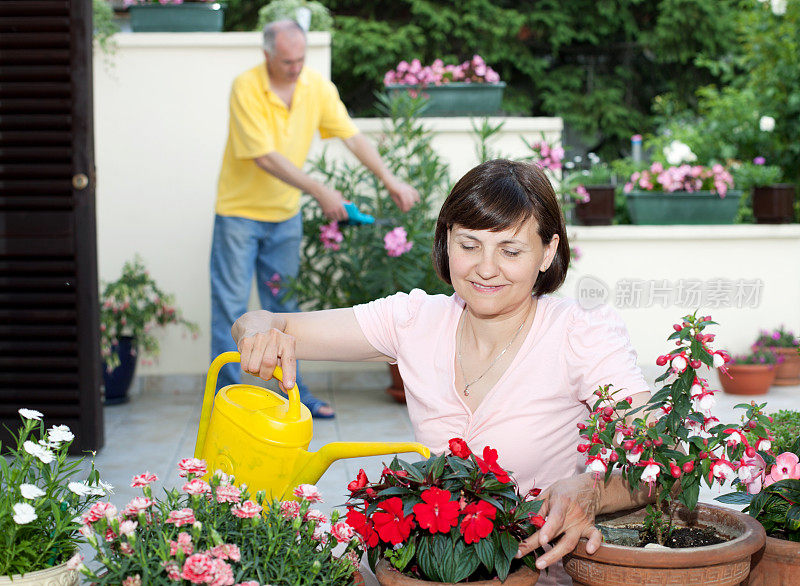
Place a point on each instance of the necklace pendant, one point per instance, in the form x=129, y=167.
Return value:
x=466, y=391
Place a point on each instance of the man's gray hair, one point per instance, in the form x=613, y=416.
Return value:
x=271, y=30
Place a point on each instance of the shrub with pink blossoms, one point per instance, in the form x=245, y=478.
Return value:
x=673, y=438
x=215, y=533
x=689, y=178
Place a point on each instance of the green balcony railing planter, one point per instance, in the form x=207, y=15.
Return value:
x=682, y=207
x=177, y=18
x=457, y=98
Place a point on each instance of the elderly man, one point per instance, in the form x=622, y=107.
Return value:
x=275, y=109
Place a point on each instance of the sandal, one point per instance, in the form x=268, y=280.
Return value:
x=317, y=407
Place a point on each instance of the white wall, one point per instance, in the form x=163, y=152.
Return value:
x=161, y=113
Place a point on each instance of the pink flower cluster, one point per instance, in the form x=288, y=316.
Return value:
x=688, y=178
x=127, y=3
x=473, y=71
x=547, y=156
x=331, y=236
x=396, y=242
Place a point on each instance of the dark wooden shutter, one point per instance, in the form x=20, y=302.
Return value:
x=49, y=347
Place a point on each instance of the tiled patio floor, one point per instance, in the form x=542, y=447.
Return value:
x=159, y=426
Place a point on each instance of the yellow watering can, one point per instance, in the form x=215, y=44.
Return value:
x=262, y=439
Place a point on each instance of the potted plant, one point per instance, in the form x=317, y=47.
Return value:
x=469, y=89
x=41, y=497
x=771, y=490
x=773, y=201
x=175, y=16
x=671, y=445
x=750, y=374
x=592, y=189
x=309, y=14
x=783, y=343
x=213, y=532
x=344, y=265
x=131, y=308
x=454, y=517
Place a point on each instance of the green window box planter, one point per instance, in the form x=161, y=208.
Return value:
x=458, y=98
x=682, y=207
x=177, y=18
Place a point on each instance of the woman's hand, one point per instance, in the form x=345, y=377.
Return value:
x=570, y=506
x=263, y=344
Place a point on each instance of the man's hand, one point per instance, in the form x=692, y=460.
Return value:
x=331, y=202
x=569, y=506
x=402, y=194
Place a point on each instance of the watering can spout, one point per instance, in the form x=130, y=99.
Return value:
x=319, y=461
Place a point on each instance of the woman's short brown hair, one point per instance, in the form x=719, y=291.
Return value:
x=497, y=195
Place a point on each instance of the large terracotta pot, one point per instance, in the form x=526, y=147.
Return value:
x=599, y=210
x=748, y=379
x=396, y=389
x=725, y=564
x=55, y=576
x=777, y=563
x=788, y=371
x=388, y=576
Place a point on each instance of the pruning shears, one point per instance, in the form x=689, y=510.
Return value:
x=356, y=217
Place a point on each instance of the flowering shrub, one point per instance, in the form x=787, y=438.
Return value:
x=134, y=305
x=689, y=178
x=215, y=533
x=777, y=338
x=549, y=156
x=756, y=174
x=473, y=71
x=676, y=439
x=40, y=496
x=757, y=356
x=444, y=519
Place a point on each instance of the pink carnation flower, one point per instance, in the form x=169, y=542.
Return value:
x=181, y=517
x=307, y=492
x=191, y=466
x=290, y=509
x=143, y=479
x=246, y=510
x=196, y=486
x=137, y=504
x=198, y=568
x=228, y=494
x=227, y=551
x=184, y=543
x=342, y=532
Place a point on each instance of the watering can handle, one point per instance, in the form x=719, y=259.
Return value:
x=208, y=397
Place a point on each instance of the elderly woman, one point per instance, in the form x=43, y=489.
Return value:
x=501, y=362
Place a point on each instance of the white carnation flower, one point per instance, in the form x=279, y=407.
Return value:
x=41, y=452
x=30, y=491
x=24, y=513
x=31, y=414
x=81, y=488
x=60, y=433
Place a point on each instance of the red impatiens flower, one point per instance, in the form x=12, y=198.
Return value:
x=477, y=522
x=359, y=482
x=459, y=448
x=537, y=521
x=437, y=513
x=391, y=525
x=489, y=464
x=363, y=526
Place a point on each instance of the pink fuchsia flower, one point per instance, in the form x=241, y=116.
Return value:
x=596, y=464
x=137, y=504
x=290, y=509
x=651, y=470
x=246, y=510
x=198, y=568
x=181, y=517
x=227, y=551
x=751, y=473
x=342, y=532
x=331, y=236
x=228, y=494
x=143, y=480
x=679, y=363
x=193, y=466
x=307, y=492
x=763, y=444
x=786, y=466
x=196, y=486
x=720, y=358
x=274, y=284
x=396, y=242
x=184, y=543
x=634, y=454
x=735, y=437
x=721, y=469
x=704, y=401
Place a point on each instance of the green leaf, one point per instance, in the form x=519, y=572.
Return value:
x=690, y=493
x=485, y=553
x=437, y=466
x=735, y=498
x=793, y=517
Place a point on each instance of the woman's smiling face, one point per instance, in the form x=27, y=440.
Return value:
x=494, y=272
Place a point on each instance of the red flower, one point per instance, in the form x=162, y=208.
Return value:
x=437, y=513
x=359, y=482
x=537, y=520
x=391, y=525
x=477, y=522
x=363, y=526
x=459, y=448
x=489, y=464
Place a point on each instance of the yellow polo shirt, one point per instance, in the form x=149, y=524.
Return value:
x=260, y=123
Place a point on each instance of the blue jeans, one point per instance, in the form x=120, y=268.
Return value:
x=239, y=248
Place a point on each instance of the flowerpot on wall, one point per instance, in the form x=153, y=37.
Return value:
x=777, y=563
x=748, y=379
x=396, y=388
x=55, y=576
x=682, y=207
x=118, y=381
x=774, y=204
x=599, y=210
x=457, y=98
x=177, y=18
x=724, y=564
x=388, y=576
x=787, y=372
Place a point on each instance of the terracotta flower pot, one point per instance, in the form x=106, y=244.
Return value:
x=774, y=204
x=599, y=210
x=788, y=371
x=777, y=563
x=397, y=389
x=55, y=576
x=388, y=576
x=725, y=564
x=748, y=379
